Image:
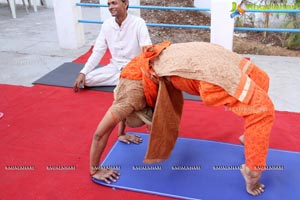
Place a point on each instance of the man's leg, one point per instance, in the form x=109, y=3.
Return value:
x=103, y=76
x=260, y=78
x=259, y=116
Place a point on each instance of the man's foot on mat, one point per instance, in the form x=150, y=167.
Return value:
x=252, y=180
x=106, y=175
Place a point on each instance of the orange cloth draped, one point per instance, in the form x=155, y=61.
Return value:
x=140, y=68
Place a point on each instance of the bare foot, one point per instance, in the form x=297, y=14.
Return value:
x=106, y=175
x=242, y=140
x=252, y=179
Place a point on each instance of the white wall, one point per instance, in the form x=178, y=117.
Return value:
x=49, y=3
x=20, y=2
x=202, y=3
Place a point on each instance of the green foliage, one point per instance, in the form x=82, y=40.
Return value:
x=293, y=41
x=246, y=20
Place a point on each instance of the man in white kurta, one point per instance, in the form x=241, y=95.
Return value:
x=124, y=35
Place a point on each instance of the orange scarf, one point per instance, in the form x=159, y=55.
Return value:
x=140, y=68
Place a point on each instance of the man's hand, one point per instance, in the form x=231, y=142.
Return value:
x=106, y=175
x=79, y=82
x=128, y=138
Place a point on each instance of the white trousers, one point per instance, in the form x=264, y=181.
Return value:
x=103, y=76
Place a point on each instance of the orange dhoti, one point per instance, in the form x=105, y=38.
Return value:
x=258, y=113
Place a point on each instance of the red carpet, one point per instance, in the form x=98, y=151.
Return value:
x=47, y=126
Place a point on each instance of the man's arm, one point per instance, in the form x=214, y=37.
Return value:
x=100, y=138
x=98, y=51
x=122, y=126
x=79, y=82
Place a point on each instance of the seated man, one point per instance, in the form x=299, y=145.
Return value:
x=156, y=78
x=124, y=35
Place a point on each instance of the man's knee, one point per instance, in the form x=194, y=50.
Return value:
x=260, y=77
x=270, y=109
x=89, y=81
x=102, y=79
x=265, y=111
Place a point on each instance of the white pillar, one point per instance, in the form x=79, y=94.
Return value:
x=221, y=23
x=202, y=3
x=134, y=11
x=70, y=32
x=34, y=4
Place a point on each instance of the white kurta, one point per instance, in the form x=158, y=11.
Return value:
x=124, y=43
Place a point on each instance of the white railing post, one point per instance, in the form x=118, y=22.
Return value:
x=49, y=3
x=34, y=4
x=222, y=24
x=12, y=8
x=202, y=3
x=70, y=32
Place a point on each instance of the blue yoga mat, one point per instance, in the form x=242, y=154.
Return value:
x=200, y=169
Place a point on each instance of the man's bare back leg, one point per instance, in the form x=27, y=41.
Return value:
x=252, y=180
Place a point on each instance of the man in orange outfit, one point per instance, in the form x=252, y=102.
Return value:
x=219, y=76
